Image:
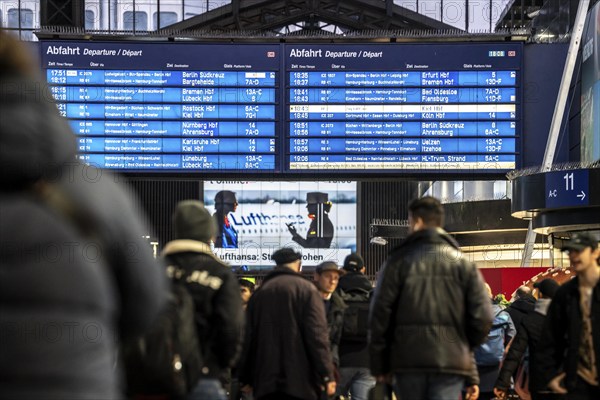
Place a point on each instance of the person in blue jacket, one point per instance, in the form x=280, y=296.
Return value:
x=225, y=203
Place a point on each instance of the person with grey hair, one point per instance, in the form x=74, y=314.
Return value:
x=215, y=291
x=287, y=355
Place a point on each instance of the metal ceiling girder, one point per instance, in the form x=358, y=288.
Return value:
x=348, y=14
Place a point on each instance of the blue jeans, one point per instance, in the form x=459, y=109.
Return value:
x=357, y=381
x=428, y=386
x=208, y=389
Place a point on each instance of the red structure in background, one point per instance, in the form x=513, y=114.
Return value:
x=507, y=280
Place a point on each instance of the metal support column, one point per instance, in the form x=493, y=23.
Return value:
x=559, y=112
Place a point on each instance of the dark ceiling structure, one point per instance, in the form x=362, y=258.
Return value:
x=310, y=15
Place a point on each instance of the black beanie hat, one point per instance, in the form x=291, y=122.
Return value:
x=285, y=255
x=192, y=221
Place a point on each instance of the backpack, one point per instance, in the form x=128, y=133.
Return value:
x=491, y=351
x=168, y=359
x=356, y=316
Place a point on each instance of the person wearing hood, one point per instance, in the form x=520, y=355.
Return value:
x=429, y=312
x=77, y=277
x=215, y=291
x=527, y=338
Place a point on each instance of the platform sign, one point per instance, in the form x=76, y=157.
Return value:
x=567, y=188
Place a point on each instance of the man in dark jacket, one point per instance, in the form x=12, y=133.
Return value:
x=570, y=344
x=429, y=311
x=288, y=353
x=214, y=289
x=355, y=377
x=527, y=338
x=521, y=306
x=76, y=277
x=327, y=276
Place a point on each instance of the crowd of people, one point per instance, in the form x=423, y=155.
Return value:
x=429, y=329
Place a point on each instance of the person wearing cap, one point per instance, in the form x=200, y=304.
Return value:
x=320, y=231
x=225, y=203
x=288, y=355
x=355, y=278
x=527, y=339
x=355, y=377
x=214, y=289
x=326, y=278
x=429, y=312
x=570, y=345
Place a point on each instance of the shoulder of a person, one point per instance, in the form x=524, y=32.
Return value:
x=338, y=301
x=567, y=289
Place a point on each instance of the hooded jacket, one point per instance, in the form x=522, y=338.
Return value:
x=520, y=308
x=526, y=340
x=430, y=309
x=76, y=276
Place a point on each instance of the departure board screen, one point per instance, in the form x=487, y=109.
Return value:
x=403, y=107
x=169, y=107
x=347, y=109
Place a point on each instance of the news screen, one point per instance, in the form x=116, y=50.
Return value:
x=254, y=219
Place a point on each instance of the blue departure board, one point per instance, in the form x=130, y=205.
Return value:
x=348, y=109
x=169, y=107
x=378, y=108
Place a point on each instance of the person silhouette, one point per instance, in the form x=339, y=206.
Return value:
x=320, y=231
x=225, y=203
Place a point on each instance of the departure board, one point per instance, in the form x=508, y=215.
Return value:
x=348, y=109
x=403, y=107
x=169, y=107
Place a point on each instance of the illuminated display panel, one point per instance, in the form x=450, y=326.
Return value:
x=168, y=107
x=403, y=107
x=250, y=109
x=317, y=219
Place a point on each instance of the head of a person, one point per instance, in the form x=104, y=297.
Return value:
x=35, y=141
x=327, y=276
x=523, y=292
x=16, y=60
x=488, y=290
x=226, y=201
x=288, y=258
x=192, y=221
x=546, y=288
x=425, y=213
x=354, y=263
x=583, y=251
x=246, y=289
x=316, y=199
